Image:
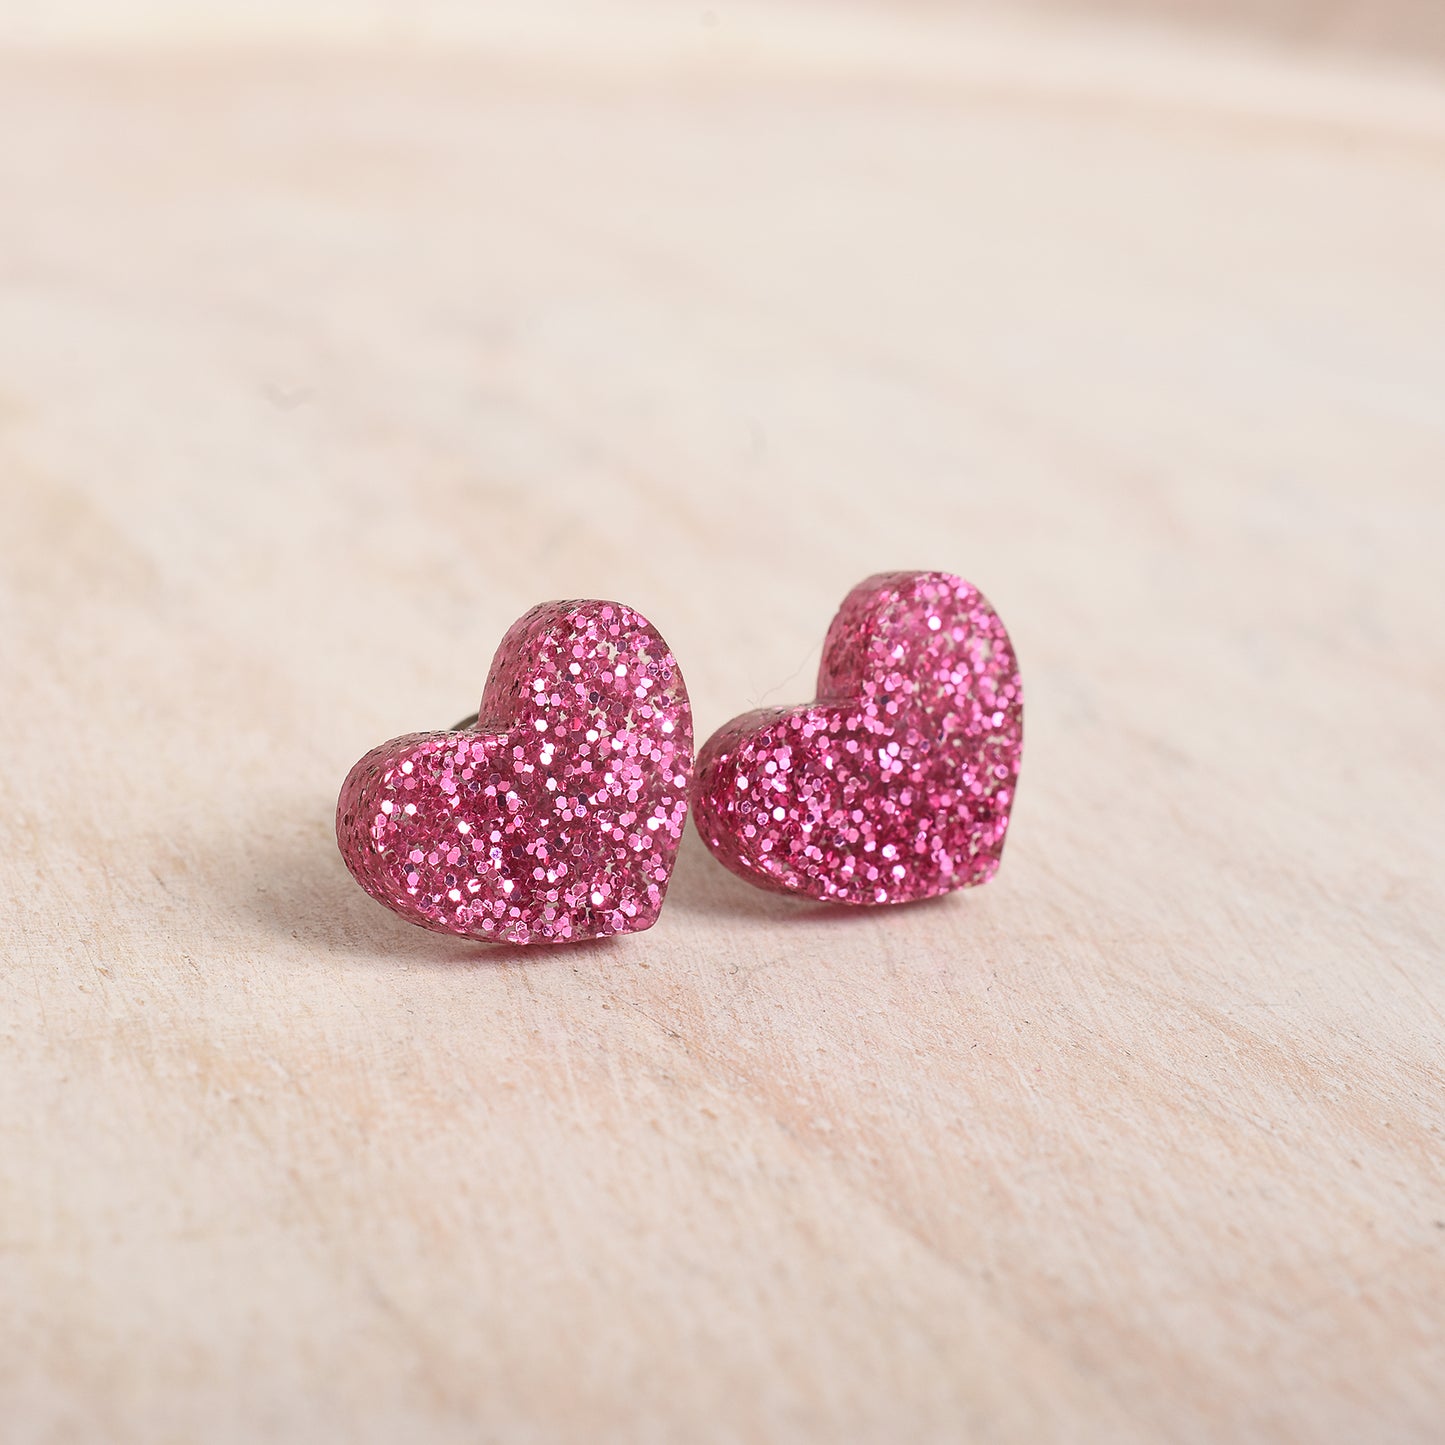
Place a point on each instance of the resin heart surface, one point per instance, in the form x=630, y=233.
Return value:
x=557, y=815
x=896, y=784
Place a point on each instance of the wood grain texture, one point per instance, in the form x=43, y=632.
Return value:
x=320, y=363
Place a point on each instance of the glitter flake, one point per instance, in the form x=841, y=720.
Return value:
x=557, y=816
x=896, y=784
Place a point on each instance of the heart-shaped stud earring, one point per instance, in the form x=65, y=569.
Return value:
x=556, y=814
x=896, y=784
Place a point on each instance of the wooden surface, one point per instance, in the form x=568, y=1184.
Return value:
x=319, y=362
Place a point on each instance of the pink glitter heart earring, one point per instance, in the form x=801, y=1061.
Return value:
x=896, y=784
x=553, y=816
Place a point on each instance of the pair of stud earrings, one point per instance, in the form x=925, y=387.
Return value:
x=555, y=813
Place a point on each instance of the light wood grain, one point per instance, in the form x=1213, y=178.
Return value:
x=321, y=362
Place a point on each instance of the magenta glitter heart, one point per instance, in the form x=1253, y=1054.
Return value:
x=896, y=784
x=557, y=816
